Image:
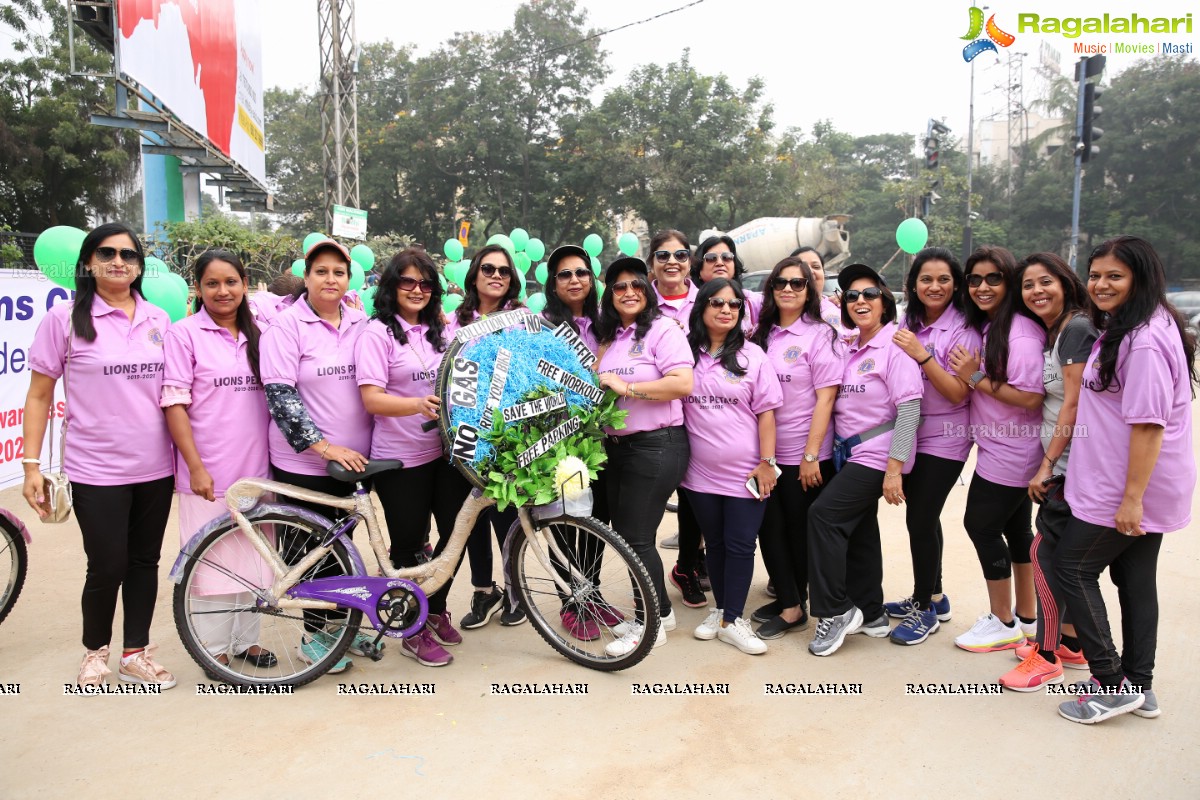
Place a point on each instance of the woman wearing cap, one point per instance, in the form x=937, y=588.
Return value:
x=398, y=356
x=730, y=417
x=1141, y=472
x=118, y=457
x=308, y=369
x=875, y=421
x=645, y=359
x=1006, y=422
x=933, y=326
x=217, y=414
x=490, y=287
x=1052, y=291
x=807, y=355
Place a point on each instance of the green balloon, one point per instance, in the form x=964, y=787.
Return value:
x=363, y=255
x=593, y=245
x=158, y=288
x=358, y=276
x=628, y=243
x=596, y=266
x=912, y=235
x=536, y=302
x=451, y=302
x=56, y=252
x=542, y=273
x=456, y=272
x=367, y=296
x=445, y=283
x=522, y=263
x=181, y=287
x=298, y=267
x=535, y=249
x=453, y=250
x=506, y=243
x=521, y=278
x=312, y=239
x=519, y=238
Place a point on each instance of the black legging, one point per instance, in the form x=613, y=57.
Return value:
x=479, y=545
x=689, y=535
x=998, y=521
x=925, y=491
x=784, y=533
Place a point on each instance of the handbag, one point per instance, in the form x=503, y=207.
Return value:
x=56, y=484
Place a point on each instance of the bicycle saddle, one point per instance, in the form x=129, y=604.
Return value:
x=374, y=467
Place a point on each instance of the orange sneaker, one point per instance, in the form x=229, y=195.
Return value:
x=1032, y=674
x=1071, y=659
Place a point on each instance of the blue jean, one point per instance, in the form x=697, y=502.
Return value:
x=730, y=527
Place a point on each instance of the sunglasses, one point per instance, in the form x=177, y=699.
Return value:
x=621, y=287
x=492, y=270
x=712, y=258
x=663, y=256
x=107, y=254
x=721, y=302
x=407, y=284
x=975, y=280
x=870, y=293
x=797, y=284
x=566, y=274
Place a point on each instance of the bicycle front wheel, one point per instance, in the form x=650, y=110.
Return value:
x=602, y=586
x=220, y=618
x=14, y=561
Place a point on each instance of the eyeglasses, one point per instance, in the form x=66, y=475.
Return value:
x=721, y=302
x=870, y=293
x=407, y=284
x=621, y=287
x=797, y=284
x=663, y=256
x=566, y=274
x=711, y=258
x=107, y=254
x=492, y=270
x=974, y=280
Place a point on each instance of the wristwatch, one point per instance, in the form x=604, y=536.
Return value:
x=809, y=458
x=770, y=460
x=976, y=377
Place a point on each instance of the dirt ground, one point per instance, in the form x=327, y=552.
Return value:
x=463, y=740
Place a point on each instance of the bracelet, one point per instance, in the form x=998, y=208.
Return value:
x=328, y=445
x=891, y=474
x=1050, y=461
x=629, y=389
x=31, y=461
x=928, y=358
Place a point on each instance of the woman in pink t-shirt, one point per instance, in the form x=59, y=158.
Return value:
x=831, y=309
x=217, y=414
x=397, y=360
x=1006, y=423
x=1140, y=472
x=109, y=346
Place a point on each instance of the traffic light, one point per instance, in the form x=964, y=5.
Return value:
x=1091, y=93
x=931, y=152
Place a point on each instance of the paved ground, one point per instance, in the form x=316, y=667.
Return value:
x=465, y=741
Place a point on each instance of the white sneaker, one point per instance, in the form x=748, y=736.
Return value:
x=989, y=634
x=632, y=637
x=622, y=628
x=707, y=630
x=1027, y=628
x=739, y=634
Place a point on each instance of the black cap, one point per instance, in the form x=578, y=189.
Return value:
x=562, y=252
x=853, y=272
x=624, y=264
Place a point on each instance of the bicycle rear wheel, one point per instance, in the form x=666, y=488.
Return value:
x=217, y=611
x=14, y=561
x=607, y=584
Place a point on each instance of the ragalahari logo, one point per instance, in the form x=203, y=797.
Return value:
x=994, y=37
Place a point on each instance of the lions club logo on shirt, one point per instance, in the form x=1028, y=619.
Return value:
x=155, y=337
x=791, y=354
x=866, y=366
x=731, y=377
x=637, y=348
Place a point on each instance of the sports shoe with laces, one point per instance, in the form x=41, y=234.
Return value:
x=1032, y=674
x=900, y=608
x=989, y=634
x=739, y=634
x=707, y=630
x=579, y=626
x=670, y=543
x=1097, y=704
x=142, y=668
x=363, y=641
x=632, y=637
x=484, y=606
x=916, y=627
x=425, y=649
x=1148, y=709
x=668, y=624
x=604, y=613
x=689, y=587
x=1071, y=659
x=313, y=648
x=443, y=630
x=512, y=614
x=1027, y=628
x=832, y=631
x=94, y=668
x=876, y=628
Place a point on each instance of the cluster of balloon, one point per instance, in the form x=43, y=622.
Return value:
x=56, y=252
x=165, y=289
x=911, y=235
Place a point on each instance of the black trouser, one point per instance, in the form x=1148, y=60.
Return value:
x=1053, y=517
x=996, y=513
x=784, y=533
x=643, y=469
x=925, y=491
x=689, y=536
x=122, y=529
x=293, y=546
x=408, y=496
x=479, y=545
x=845, y=559
x=1132, y=561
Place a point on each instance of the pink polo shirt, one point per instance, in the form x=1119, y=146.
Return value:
x=1009, y=437
x=754, y=304
x=402, y=370
x=877, y=378
x=944, y=430
x=117, y=433
x=721, y=415
x=806, y=356
x=302, y=350
x=585, y=331
x=1151, y=385
x=679, y=310
x=663, y=349
x=228, y=412
x=267, y=307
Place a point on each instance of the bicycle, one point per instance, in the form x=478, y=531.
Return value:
x=14, y=560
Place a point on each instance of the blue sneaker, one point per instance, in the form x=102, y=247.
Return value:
x=916, y=627
x=314, y=647
x=901, y=608
x=363, y=638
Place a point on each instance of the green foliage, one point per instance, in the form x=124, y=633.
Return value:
x=265, y=253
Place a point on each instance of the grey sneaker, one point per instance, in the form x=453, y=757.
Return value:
x=1149, y=709
x=832, y=631
x=877, y=629
x=1098, y=704
x=670, y=543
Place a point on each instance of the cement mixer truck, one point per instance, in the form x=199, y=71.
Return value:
x=762, y=242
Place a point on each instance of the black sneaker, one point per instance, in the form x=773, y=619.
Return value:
x=768, y=612
x=513, y=615
x=484, y=606
x=689, y=587
x=777, y=626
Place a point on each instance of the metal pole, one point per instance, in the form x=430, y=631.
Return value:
x=1081, y=77
x=968, y=244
